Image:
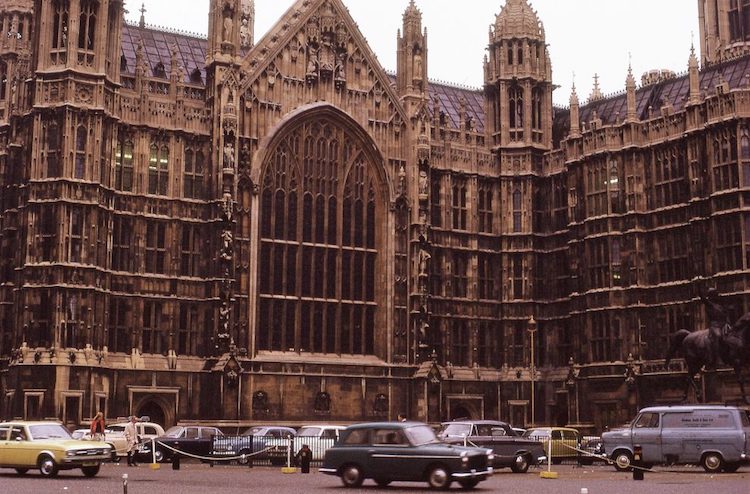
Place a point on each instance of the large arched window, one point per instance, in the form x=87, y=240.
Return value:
x=319, y=243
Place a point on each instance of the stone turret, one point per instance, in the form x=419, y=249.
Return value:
x=412, y=53
x=632, y=111
x=575, y=126
x=694, y=77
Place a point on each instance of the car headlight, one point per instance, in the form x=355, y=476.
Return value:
x=465, y=460
x=490, y=456
x=71, y=452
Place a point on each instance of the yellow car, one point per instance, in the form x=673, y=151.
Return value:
x=49, y=447
x=565, y=442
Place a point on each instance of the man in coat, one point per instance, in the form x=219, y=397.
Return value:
x=131, y=436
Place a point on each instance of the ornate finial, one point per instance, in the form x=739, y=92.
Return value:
x=142, y=22
x=596, y=92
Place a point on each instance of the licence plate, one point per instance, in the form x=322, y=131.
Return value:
x=90, y=463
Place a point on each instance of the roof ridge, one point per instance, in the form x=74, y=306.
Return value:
x=165, y=29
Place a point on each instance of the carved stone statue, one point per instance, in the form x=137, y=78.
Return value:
x=228, y=26
x=228, y=155
x=244, y=34
x=424, y=262
x=423, y=183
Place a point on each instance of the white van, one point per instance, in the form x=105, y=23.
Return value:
x=715, y=437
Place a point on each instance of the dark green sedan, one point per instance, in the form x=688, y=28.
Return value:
x=404, y=451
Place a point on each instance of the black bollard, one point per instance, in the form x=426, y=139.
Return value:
x=176, y=462
x=637, y=462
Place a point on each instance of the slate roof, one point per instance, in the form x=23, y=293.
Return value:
x=450, y=102
x=157, y=47
x=676, y=91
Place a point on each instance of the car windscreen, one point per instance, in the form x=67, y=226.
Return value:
x=256, y=431
x=421, y=434
x=115, y=428
x=309, y=432
x=49, y=431
x=174, y=431
x=455, y=430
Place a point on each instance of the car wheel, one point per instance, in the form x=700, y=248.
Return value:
x=351, y=476
x=520, y=463
x=731, y=467
x=90, y=471
x=623, y=460
x=712, y=462
x=439, y=478
x=22, y=471
x=159, y=455
x=382, y=482
x=47, y=466
x=468, y=484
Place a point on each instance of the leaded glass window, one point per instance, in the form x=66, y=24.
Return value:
x=319, y=243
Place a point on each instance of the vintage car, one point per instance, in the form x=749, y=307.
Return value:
x=511, y=451
x=187, y=441
x=114, y=434
x=404, y=451
x=49, y=447
x=560, y=443
x=252, y=445
x=318, y=437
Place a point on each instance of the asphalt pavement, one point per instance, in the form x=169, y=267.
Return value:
x=196, y=478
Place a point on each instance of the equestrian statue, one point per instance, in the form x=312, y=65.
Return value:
x=723, y=342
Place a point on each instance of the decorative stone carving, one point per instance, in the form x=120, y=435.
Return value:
x=322, y=405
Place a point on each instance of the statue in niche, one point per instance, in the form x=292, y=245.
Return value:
x=226, y=207
x=312, y=60
x=64, y=37
x=226, y=248
x=418, y=65
x=423, y=183
x=380, y=406
x=228, y=26
x=260, y=401
x=244, y=34
x=424, y=262
x=340, y=70
x=228, y=155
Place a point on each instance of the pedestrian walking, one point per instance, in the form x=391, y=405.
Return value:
x=97, y=427
x=131, y=436
x=304, y=457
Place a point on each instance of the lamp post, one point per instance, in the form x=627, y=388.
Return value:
x=532, y=331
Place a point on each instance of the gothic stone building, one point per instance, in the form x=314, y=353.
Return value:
x=282, y=231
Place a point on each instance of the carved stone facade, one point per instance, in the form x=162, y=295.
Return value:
x=230, y=231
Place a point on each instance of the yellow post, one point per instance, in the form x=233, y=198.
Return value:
x=549, y=474
x=154, y=465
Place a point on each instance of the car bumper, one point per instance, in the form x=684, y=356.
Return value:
x=83, y=462
x=473, y=474
x=328, y=471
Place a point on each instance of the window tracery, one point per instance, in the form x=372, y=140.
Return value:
x=317, y=275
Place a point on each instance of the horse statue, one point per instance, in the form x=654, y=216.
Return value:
x=699, y=352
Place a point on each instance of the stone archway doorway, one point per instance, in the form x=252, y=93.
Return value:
x=154, y=411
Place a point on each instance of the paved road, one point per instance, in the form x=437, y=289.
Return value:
x=195, y=478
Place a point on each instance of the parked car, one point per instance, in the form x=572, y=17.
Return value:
x=251, y=445
x=715, y=437
x=114, y=434
x=318, y=437
x=565, y=442
x=511, y=451
x=191, y=441
x=49, y=447
x=81, y=434
x=404, y=451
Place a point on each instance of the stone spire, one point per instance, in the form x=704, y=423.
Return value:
x=411, y=57
x=694, y=76
x=575, y=126
x=142, y=22
x=630, y=88
x=596, y=92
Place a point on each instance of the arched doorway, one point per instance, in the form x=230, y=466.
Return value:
x=155, y=413
x=459, y=411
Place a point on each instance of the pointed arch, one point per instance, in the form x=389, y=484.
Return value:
x=322, y=293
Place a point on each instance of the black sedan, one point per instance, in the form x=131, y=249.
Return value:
x=187, y=441
x=404, y=451
x=510, y=449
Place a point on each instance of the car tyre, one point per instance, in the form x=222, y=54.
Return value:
x=731, y=467
x=22, y=471
x=623, y=460
x=439, y=478
x=468, y=484
x=520, y=463
x=352, y=476
x=90, y=471
x=712, y=462
x=47, y=466
x=382, y=482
